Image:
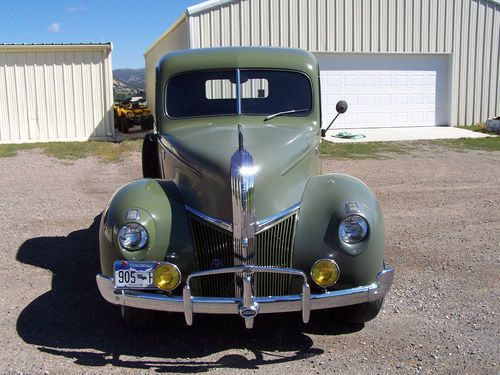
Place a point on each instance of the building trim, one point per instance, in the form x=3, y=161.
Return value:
x=170, y=30
x=64, y=47
x=206, y=5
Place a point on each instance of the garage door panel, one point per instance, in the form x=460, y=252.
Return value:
x=385, y=90
x=384, y=99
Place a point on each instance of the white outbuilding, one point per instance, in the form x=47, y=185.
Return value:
x=398, y=63
x=55, y=92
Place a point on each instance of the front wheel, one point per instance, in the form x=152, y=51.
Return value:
x=150, y=161
x=136, y=318
x=124, y=125
x=360, y=313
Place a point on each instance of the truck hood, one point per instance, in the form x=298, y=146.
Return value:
x=284, y=156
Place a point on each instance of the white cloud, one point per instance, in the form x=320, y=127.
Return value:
x=55, y=27
x=76, y=8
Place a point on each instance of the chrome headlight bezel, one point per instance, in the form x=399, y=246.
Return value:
x=353, y=229
x=133, y=237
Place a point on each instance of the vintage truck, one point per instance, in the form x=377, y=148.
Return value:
x=233, y=215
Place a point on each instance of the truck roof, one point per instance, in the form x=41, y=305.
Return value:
x=238, y=57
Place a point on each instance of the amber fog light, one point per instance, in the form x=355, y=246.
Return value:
x=325, y=272
x=167, y=276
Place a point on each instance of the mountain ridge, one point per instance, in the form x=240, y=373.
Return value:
x=133, y=78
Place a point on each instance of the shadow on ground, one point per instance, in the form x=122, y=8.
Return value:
x=72, y=320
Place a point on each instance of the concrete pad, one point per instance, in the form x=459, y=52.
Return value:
x=403, y=134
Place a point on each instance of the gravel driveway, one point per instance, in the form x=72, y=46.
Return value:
x=442, y=211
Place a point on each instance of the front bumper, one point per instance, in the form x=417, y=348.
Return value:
x=247, y=306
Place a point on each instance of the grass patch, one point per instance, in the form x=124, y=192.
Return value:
x=383, y=150
x=463, y=144
x=480, y=128
x=372, y=150
x=106, y=152
x=11, y=150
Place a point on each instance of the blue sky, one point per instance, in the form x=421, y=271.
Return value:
x=132, y=26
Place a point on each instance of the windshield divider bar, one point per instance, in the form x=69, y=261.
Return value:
x=238, y=92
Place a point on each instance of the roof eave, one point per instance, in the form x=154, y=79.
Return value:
x=60, y=46
x=199, y=8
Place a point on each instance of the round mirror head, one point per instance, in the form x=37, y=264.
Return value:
x=341, y=106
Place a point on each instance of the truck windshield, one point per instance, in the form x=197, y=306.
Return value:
x=260, y=92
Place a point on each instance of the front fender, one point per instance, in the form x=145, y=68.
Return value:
x=321, y=211
x=161, y=212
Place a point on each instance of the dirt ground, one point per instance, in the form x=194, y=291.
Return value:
x=442, y=211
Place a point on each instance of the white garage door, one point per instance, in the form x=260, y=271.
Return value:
x=386, y=90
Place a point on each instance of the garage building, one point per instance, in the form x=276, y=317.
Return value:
x=398, y=63
x=55, y=92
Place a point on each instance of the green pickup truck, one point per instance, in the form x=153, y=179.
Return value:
x=233, y=215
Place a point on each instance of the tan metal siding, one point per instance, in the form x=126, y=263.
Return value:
x=48, y=93
x=174, y=39
x=468, y=29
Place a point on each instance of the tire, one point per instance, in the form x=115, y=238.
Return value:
x=116, y=119
x=147, y=124
x=136, y=318
x=360, y=313
x=124, y=125
x=150, y=160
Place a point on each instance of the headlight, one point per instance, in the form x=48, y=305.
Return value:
x=130, y=114
x=325, y=272
x=353, y=229
x=167, y=276
x=133, y=236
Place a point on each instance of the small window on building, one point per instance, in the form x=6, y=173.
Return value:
x=255, y=88
x=220, y=89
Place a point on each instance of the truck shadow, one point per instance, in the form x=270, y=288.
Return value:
x=72, y=320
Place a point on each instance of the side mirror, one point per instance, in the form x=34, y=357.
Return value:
x=341, y=107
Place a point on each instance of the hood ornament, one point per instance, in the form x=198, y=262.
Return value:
x=243, y=204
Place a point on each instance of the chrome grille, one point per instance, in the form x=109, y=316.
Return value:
x=214, y=249
x=274, y=249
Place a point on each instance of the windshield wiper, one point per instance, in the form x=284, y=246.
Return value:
x=284, y=113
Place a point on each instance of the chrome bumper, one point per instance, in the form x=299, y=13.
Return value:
x=247, y=306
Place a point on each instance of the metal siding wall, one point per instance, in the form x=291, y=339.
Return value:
x=468, y=29
x=53, y=94
x=494, y=100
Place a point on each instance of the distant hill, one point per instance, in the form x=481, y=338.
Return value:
x=134, y=78
x=127, y=83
